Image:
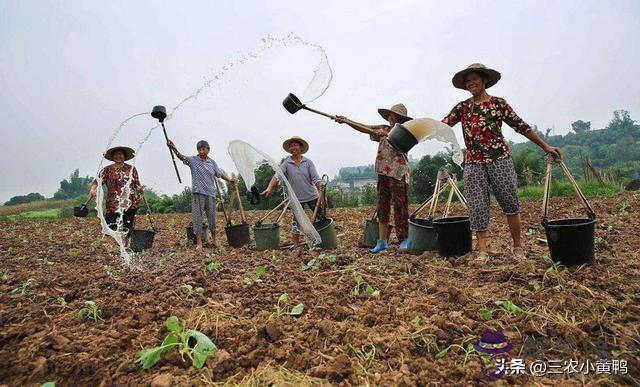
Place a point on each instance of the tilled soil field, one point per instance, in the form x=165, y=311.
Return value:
x=416, y=330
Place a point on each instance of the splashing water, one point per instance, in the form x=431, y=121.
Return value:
x=429, y=129
x=247, y=159
x=315, y=89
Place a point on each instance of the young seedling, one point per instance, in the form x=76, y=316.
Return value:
x=4, y=274
x=367, y=287
x=190, y=289
x=282, y=308
x=182, y=339
x=23, y=289
x=44, y=261
x=62, y=302
x=508, y=306
x=91, y=311
x=255, y=278
x=212, y=266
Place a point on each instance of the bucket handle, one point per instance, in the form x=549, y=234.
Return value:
x=227, y=218
x=146, y=203
x=547, y=184
x=321, y=204
x=282, y=203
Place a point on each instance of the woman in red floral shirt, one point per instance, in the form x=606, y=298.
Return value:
x=115, y=177
x=488, y=161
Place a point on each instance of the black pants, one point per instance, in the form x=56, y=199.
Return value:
x=127, y=220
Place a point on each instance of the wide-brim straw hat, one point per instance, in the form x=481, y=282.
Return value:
x=128, y=153
x=398, y=109
x=287, y=142
x=492, y=75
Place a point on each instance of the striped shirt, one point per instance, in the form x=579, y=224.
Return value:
x=202, y=174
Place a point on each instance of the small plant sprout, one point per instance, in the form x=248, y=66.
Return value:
x=4, y=274
x=62, y=302
x=23, y=289
x=183, y=339
x=509, y=307
x=255, y=278
x=44, y=261
x=360, y=283
x=282, y=308
x=91, y=311
x=190, y=289
x=212, y=266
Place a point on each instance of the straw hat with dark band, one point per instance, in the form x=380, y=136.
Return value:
x=491, y=75
x=128, y=153
x=398, y=109
x=300, y=140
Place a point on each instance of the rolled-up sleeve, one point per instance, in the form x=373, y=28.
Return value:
x=187, y=160
x=381, y=131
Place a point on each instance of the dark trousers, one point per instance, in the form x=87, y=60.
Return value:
x=127, y=220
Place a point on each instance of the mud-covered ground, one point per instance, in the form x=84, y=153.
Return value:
x=425, y=305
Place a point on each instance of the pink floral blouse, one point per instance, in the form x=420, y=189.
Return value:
x=389, y=161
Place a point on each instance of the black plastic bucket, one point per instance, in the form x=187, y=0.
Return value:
x=141, y=240
x=401, y=138
x=453, y=236
x=237, y=235
x=191, y=237
x=267, y=236
x=327, y=233
x=81, y=211
x=292, y=103
x=422, y=236
x=571, y=241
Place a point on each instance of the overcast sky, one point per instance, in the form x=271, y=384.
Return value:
x=71, y=71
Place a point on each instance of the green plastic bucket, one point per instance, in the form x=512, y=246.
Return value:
x=422, y=236
x=327, y=232
x=267, y=236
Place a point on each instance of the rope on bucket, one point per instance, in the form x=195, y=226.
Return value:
x=547, y=185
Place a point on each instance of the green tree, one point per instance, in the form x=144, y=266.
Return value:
x=423, y=176
x=581, y=126
x=20, y=199
x=75, y=186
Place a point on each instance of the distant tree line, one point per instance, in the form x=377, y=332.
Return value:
x=615, y=148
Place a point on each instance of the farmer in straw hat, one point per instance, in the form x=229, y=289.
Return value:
x=392, y=167
x=303, y=177
x=116, y=178
x=204, y=171
x=488, y=161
